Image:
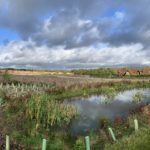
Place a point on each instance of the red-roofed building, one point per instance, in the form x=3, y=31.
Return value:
x=128, y=72
x=133, y=72
x=146, y=71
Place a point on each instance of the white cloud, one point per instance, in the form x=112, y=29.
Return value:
x=27, y=53
x=119, y=15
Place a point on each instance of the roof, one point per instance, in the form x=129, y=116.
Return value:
x=133, y=71
x=146, y=71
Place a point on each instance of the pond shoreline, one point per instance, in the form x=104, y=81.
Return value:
x=26, y=131
x=95, y=107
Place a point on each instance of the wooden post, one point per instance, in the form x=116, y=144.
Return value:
x=112, y=134
x=7, y=142
x=44, y=144
x=87, y=142
x=136, y=127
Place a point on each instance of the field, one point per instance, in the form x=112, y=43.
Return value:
x=33, y=108
x=74, y=75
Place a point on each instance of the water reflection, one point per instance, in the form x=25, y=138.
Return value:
x=94, y=107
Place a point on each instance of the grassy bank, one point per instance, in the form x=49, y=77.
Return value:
x=106, y=89
x=40, y=112
x=136, y=141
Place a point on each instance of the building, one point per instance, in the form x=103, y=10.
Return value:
x=146, y=71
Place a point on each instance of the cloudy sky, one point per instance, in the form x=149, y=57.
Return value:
x=62, y=34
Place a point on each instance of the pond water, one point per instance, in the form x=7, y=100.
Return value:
x=93, y=108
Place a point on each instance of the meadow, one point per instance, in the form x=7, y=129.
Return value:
x=33, y=108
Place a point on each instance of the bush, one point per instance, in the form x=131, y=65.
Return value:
x=79, y=144
x=56, y=144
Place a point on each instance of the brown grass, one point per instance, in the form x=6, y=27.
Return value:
x=28, y=72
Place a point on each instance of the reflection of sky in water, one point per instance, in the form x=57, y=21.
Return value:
x=93, y=108
x=127, y=95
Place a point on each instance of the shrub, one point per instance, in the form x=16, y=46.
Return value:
x=79, y=144
x=138, y=97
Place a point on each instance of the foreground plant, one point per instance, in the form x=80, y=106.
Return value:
x=41, y=111
x=138, y=97
x=137, y=141
x=47, y=112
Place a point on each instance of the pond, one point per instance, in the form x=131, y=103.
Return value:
x=93, y=108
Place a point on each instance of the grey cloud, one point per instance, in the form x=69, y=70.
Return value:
x=26, y=16
x=67, y=29
x=135, y=26
x=76, y=24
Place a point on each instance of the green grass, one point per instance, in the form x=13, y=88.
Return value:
x=38, y=115
x=48, y=112
x=136, y=141
x=107, y=90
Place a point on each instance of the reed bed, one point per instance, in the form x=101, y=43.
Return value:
x=47, y=112
x=33, y=107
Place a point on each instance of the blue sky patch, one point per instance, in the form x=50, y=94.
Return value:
x=7, y=35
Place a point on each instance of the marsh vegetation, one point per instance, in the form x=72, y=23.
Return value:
x=34, y=110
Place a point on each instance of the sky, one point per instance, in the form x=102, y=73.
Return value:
x=66, y=34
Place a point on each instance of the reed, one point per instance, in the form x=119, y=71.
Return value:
x=138, y=97
x=38, y=109
x=48, y=112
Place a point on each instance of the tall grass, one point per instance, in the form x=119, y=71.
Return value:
x=137, y=141
x=31, y=110
x=48, y=112
x=138, y=97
